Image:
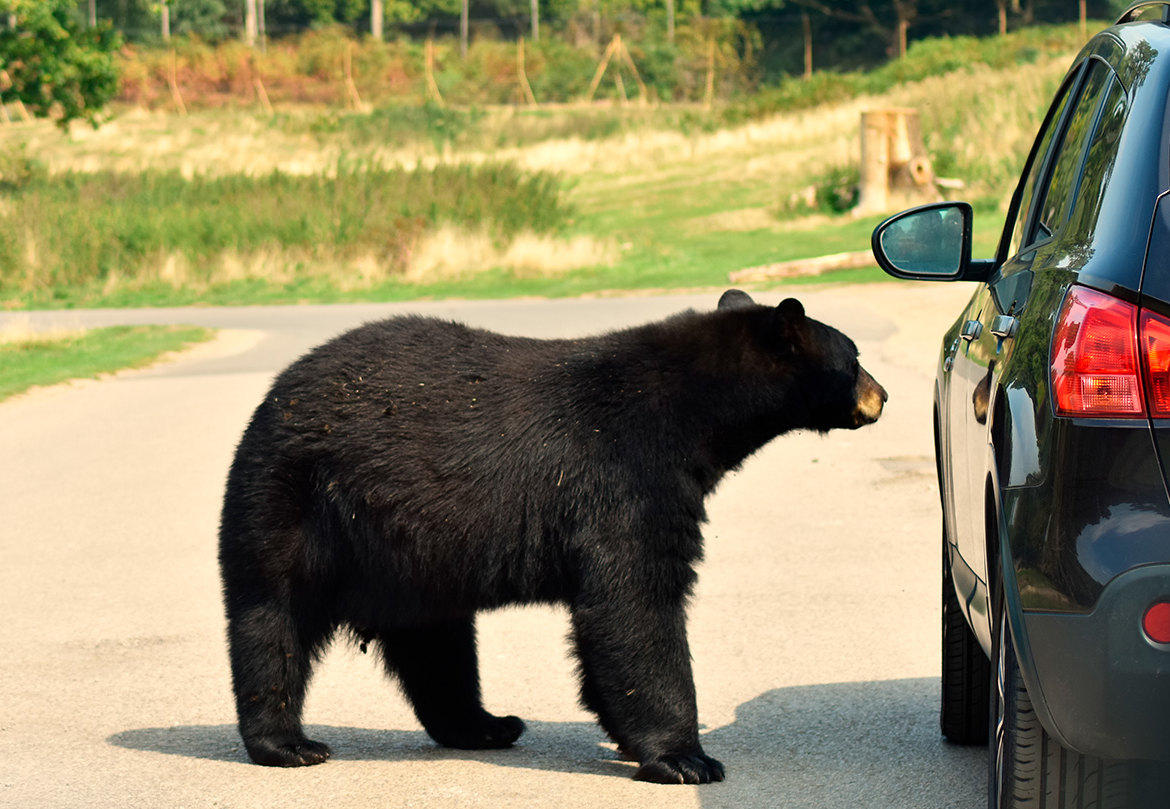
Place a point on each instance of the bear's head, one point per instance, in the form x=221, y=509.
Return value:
x=825, y=387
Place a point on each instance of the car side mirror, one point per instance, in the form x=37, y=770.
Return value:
x=929, y=243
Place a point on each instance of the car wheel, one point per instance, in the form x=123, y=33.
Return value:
x=963, y=715
x=1029, y=768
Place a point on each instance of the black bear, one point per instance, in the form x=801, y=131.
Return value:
x=412, y=472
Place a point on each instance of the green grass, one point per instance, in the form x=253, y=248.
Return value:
x=33, y=360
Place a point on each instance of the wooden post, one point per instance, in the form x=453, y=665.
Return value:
x=352, y=96
x=261, y=93
x=643, y=95
x=176, y=96
x=165, y=15
x=895, y=169
x=617, y=49
x=709, y=91
x=526, y=94
x=432, y=87
x=609, y=51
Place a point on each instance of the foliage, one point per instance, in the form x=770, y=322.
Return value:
x=924, y=59
x=312, y=68
x=203, y=19
x=845, y=34
x=51, y=64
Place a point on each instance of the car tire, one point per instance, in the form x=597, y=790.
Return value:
x=966, y=677
x=1028, y=768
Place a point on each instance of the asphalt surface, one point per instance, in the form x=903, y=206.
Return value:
x=814, y=628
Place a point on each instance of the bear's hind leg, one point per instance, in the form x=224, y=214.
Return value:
x=438, y=668
x=271, y=657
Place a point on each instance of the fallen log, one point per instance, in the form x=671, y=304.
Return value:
x=804, y=266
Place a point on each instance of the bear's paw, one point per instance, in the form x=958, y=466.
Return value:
x=486, y=733
x=681, y=769
x=285, y=752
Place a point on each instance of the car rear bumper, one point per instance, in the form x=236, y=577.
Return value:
x=1103, y=686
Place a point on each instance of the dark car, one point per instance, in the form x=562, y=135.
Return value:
x=1052, y=439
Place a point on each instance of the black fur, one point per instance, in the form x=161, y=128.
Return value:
x=413, y=472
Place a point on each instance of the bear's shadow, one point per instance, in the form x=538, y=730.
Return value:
x=873, y=744
x=552, y=746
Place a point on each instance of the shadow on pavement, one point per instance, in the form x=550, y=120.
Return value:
x=865, y=744
x=871, y=744
x=575, y=747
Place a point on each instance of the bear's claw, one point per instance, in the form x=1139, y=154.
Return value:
x=287, y=752
x=682, y=769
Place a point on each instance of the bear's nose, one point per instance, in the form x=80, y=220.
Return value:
x=871, y=397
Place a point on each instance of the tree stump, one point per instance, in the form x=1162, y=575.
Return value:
x=895, y=168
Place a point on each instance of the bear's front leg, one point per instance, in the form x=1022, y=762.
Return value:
x=636, y=676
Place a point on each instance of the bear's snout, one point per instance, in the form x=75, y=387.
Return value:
x=870, y=398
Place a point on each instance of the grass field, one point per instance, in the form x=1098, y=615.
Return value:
x=28, y=359
x=155, y=209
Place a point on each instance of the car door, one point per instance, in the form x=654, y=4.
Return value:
x=991, y=324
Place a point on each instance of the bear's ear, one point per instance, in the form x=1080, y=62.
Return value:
x=735, y=299
x=790, y=310
x=788, y=325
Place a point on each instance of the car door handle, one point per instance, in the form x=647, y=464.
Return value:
x=949, y=359
x=971, y=330
x=1004, y=326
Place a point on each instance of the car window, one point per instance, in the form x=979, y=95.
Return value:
x=1101, y=156
x=1059, y=196
x=1040, y=152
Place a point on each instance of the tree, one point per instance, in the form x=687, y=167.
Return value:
x=889, y=21
x=203, y=18
x=52, y=64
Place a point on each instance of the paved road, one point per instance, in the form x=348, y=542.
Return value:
x=814, y=627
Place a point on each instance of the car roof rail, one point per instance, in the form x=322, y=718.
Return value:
x=1133, y=12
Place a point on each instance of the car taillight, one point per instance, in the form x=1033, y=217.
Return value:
x=1095, y=368
x=1155, y=331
